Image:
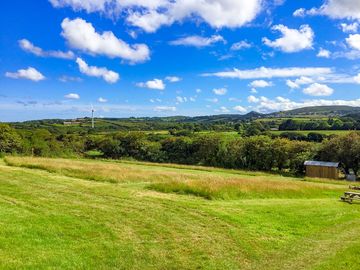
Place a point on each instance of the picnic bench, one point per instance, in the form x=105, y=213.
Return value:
x=350, y=196
x=354, y=187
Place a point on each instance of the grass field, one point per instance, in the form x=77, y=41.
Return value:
x=79, y=214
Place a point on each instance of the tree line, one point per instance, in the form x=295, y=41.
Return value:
x=258, y=152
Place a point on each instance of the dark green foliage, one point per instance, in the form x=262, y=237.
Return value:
x=251, y=148
x=10, y=141
x=344, y=149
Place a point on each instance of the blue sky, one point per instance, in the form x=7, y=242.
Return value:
x=60, y=58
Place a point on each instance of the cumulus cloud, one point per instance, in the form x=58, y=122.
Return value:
x=357, y=78
x=198, y=41
x=252, y=99
x=82, y=36
x=102, y=100
x=349, y=28
x=220, y=91
x=267, y=73
x=298, y=82
x=301, y=12
x=165, y=109
x=317, y=89
x=292, y=40
x=181, y=99
x=354, y=41
x=260, y=84
x=324, y=53
x=240, y=45
x=173, y=79
x=27, y=46
x=292, y=84
x=335, y=9
x=266, y=105
x=240, y=109
x=223, y=109
x=151, y=15
x=72, y=96
x=29, y=74
x=108, y=75
x=153, y=84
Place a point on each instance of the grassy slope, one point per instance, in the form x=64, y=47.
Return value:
x=52, y=220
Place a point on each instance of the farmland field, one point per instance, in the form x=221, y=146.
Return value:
x=59, y=213
x=306, y=132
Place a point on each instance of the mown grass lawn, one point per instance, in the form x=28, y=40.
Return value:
x=63, y=214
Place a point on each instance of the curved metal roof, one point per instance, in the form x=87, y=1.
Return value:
x=321, y=163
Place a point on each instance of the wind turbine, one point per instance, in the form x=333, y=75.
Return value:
x=92, y=117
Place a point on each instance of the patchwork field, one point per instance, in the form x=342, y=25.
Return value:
x=58, y=213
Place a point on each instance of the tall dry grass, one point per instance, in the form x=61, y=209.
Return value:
x=209, y=185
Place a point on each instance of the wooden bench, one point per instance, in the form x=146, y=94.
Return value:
x=354, y=187
x=350, y=196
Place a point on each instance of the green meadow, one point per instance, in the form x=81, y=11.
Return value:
x=87, y=214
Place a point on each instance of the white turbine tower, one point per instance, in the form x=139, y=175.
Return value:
x=92, y=117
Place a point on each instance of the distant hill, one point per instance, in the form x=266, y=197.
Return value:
x=326, y=111
x=160, y=123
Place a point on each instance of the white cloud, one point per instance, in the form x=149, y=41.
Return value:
x=66, y=78
x=283, y=104
x=220, y=91
x=351, y=54
x=108, y=75
x=267, y=73
x=357, y=78
x=292, y=40
x=260, y=84
x=102, y=100
x=300, y=81
x=354, y=41
x=27, y=46
x=240, y=109
x=350, y=28
x=155, y=100
x=223, y=109
x=198, y=41
x=292, y=84
x=181, y=99
x=304, y=80
x=301, y=12
x=30, y=74
x=151, y=15
x=324, y=53
x=337, y=9
x=173, y=79
x=72, y=96
x=87, y=5
x=165, y=109
x=233, y=99
x=152, y=84
x=253, y=99
x=240, y=45
x=198, y=91
x=212, y=100
x=317, y=89
x=81, y=35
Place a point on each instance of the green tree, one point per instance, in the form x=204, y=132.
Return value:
x=10, y=141
x=344, y=149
